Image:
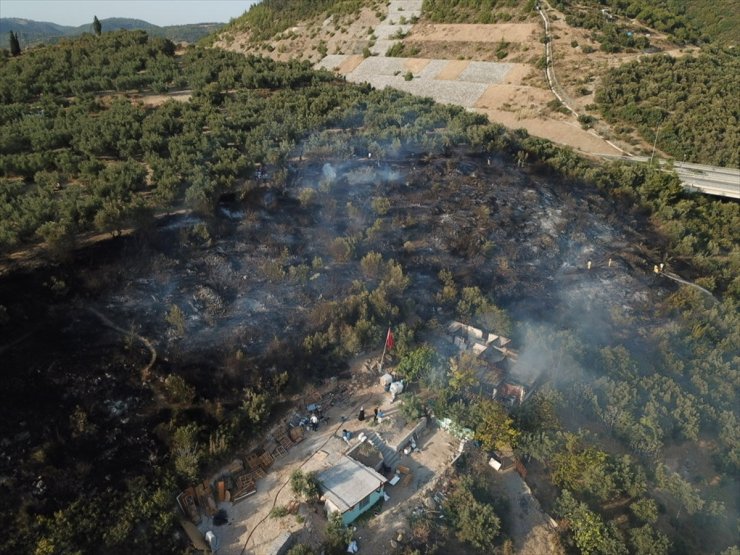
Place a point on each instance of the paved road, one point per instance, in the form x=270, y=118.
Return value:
x=711, y=180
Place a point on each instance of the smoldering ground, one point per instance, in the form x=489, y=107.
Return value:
x=230, y=297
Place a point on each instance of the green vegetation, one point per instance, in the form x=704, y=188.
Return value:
x=15, y=47
x=689, y=21
x=611, y=26
x=74, y=160
x=271, y=17
x=305, y=485
x=687, y=101
x=476, y=11
x=718, y=20
x=33, y=33
x=472, y=516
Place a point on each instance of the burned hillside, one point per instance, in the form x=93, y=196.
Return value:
x=333, y=254
x=287, y=279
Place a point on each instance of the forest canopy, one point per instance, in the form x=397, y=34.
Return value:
x=689, y=102
x=268, y=18
x=476, y=11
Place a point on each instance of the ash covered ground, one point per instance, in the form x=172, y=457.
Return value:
x=249, y=286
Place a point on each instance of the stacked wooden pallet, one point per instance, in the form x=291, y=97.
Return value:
x=244, y=485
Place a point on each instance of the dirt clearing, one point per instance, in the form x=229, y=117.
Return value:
x=561, y=132
x=159, y=99
x=415, y=65
x=461, y=32
x=349, y=65
x=249, y=522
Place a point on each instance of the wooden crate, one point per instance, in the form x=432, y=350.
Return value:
x=253, y=461
x=296, y=434
x=266, y=460
x=188, y=505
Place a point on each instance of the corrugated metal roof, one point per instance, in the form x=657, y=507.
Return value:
x=348, y=482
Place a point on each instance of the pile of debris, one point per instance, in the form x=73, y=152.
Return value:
x=238, y=480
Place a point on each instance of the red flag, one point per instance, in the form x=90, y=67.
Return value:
x=389, y=341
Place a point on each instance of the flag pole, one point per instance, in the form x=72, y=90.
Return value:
x=382, y=357
x=385, y=346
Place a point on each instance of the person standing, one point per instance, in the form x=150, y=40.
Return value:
x=361, y=416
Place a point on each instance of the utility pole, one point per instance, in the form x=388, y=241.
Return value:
x=655, y=142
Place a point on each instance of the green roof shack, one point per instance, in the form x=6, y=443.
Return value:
x=350, y=488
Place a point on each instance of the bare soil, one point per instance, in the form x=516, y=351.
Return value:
x=348, y=35
x=493, y=33
x=452, y=70
x=159, y=99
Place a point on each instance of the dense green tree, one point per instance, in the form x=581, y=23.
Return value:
x=494, y=427
x=679, y=103
x=187, y=451
x=474, y=520
x=418, y=364
x=590, y=534
x=646, y=540
x=15, y=46
x=97, y=26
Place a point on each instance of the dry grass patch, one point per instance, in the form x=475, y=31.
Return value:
x=452, y=70
x=415, y=65
x=159, y=99
x=513, y=98
x=349, y=65
x=450, y=32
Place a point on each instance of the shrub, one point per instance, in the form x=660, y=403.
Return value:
x=279, y=512
x=305, y=485
x=178, y=390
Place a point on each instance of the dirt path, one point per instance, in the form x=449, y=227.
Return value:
x=531, y=530
x=146, y=371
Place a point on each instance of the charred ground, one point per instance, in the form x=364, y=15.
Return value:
x=285, y=260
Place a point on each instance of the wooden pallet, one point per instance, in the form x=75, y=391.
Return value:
x=257, y=473
x=245, y=486
x=286, y=443
x=188, y=505
x=278, y=452
x=296, y=434
x=253, y=461
x=266, y=460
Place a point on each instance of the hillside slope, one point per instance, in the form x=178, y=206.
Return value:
x=32, y=32
x=490, y=57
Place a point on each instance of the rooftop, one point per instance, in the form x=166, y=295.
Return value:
x=349, y=482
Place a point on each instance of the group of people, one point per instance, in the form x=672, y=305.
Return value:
x=378, y=415
x=314, y=420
